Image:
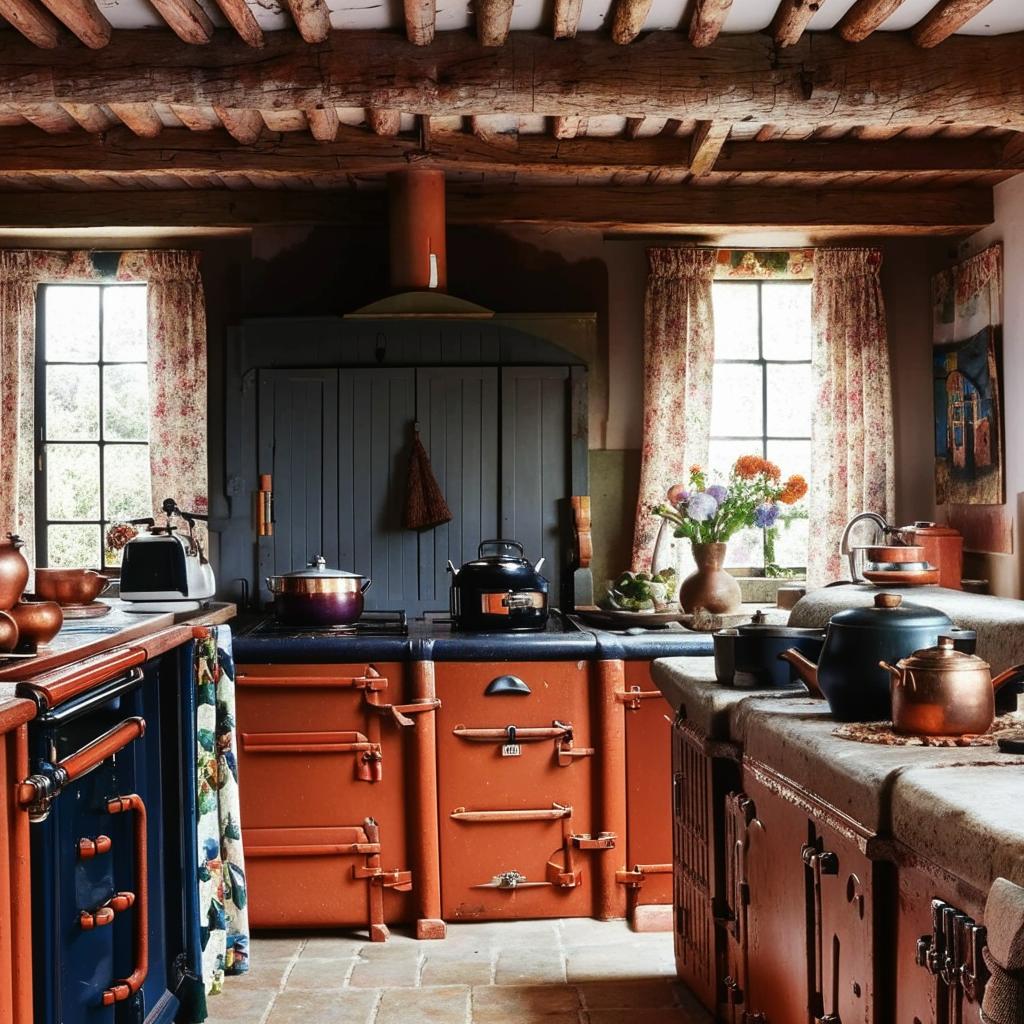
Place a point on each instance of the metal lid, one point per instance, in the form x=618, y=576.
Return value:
x=891, y=612
x=317, y=569
x=929, y=529
x=945, y=657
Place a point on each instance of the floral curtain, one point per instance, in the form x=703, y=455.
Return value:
x=852, y=429
x=679, y=355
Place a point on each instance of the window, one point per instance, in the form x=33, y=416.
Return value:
x=92, y=418
x=762, y=396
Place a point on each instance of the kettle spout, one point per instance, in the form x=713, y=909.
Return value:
x=805, y=669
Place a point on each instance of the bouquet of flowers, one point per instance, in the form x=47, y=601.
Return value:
x=118, y=536
x=753, y=496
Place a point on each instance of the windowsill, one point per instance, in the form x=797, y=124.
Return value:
x=764, y=589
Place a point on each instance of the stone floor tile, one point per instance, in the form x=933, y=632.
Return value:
x=456, y=971
x=448, y=1004
x=600, y=963
x=502, y=1004
x=526, y=967
x=310, y=975
x=662, y=1016
x=584, y=931
x=345, y=1007
x=238, y=1003
x=398, y=971
x=618, y=995
x=263, y=974
x=274, y=947
x=333, y=947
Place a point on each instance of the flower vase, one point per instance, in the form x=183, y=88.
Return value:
x=710, y=587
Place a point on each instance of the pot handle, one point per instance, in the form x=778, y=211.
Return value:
x=895, y=673
x=499, y=543
x=365, y=587
x=1011, y=675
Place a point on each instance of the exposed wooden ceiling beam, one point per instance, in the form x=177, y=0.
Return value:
x=493, y=20
x=244, y=126
x=312, y=19
x=567, y=18
x=141, y=118
x=196, y=119
x=50, y=117
x=628, y=17
x=706, y=144
x=83, y=18
x=23, y=151
x=383, y=122
x=765, y=132
x=323, y=123
x=864, y=17
x=633, y=126
x=980, y=79
x=707, y=21
x=89, y=116
x=566, y=127
x=791, y=19
x=420, y=19
x=187, y=19
x=240, y=17
x=643, y=209
x=944, y=19
x=36, y=24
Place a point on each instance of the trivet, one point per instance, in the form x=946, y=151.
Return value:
x=882, y=734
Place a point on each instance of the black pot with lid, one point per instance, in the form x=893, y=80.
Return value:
x=499, y=590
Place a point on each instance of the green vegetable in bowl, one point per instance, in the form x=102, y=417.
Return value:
x=639, y=592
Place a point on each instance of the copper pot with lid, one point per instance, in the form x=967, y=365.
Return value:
x=318, y=596
x=940, y=691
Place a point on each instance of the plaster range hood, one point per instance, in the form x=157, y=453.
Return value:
x=418, y=256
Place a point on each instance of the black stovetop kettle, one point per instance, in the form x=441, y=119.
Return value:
x=500, y=590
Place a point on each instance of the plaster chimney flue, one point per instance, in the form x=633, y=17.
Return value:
x=416, y=212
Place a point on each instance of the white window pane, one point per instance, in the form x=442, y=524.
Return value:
x=73, y=482
x=786, y=324
x=790, y=397
x=72, y=323
x=746, y=550
x=72, y=403
x=124, y=323
x=126, y=481
x=723, y=454
x=736, y=400
x=791, y=544
x=73, y=546
x=735, y=307
x=125, y=402
x=791, y=457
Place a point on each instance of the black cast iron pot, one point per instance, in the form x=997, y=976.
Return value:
x=748, y=655
x=317, y=596
x=499, y=590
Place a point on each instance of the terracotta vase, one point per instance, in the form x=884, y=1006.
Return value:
x=710, y=587
x=13, y=571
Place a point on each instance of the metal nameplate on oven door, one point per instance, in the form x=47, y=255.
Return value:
x=504, y=602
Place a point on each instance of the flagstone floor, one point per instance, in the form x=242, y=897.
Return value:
x=519, y=972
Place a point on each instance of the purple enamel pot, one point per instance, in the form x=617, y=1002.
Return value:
x=318, y=596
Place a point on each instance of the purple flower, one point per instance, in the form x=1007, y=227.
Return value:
x=719, y=492
x=702, y=507
x=765, y=515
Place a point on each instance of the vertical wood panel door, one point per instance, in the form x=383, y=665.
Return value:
x=376, y=412
x=297, y=440
x=535, y=471
x=457, y=411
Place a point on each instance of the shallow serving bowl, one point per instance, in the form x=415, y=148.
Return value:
x=70, y=586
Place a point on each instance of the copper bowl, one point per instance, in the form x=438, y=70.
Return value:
x=38, y=622
x=8, y=633
x=70, y=586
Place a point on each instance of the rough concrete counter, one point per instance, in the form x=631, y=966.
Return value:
x=969, y=820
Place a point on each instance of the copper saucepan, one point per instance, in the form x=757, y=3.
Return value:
x=70, y=586
x=940, y=691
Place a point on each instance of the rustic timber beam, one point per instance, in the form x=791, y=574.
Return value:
x=642, y=209
x=83, y=18
x=420, y=20
x=493, y=21
x=791, y=19
x=567, y=18
x=36, y=24
x=707, y=21
x=89, y=116
x=707, y=142
x=50, y=117
x=187, y=20
x=141, y=118
x=944, y=19
x=864, y=17
x=383, y=122
x=885, y=79
x=323, y=123
x=23, y=151
x=628, y=17
x=564, y=128
x=244, y=126
x=311, y=18
x=240, y=17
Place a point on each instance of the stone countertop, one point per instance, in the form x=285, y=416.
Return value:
x=967, y=818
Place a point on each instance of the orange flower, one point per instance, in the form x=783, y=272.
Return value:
x=771, y=470
x=749, y=466
x=695, y=469
x=795, y=488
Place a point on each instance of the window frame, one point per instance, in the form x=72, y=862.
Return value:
x=42, y=520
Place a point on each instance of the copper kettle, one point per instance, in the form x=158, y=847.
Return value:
x=940, y=691
x=13, y=571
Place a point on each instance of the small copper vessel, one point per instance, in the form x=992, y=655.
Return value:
x=940, y=691
x=70, y=586
x=8, y=633
x=13, y=570
x=38, y=622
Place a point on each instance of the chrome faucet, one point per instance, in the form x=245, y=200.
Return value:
x=844, y=546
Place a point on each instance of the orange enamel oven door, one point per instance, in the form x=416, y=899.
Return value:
x=515, y=766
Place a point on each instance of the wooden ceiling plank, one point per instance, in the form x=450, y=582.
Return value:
x=765, y=132
x=945, y=18
x=792, y=18
x=567, y=18
x=312, y=19
x=864, y=17
x=187, y=20
x=196, y=119
x=565, y=127
x=641, y=209
x=420, y=21
x=35, y=23
x=634, y=126
x=141, y=118
x=493, y=21
x=706, y=144
x=50, y=117
x=90, y=116
x=876, y=133
x=240, y=17
x=628, y=17
x=323, y=123
x=84, y=19
x=707, y=21
x=244, y=126
x=886, y=78
x=384, y=122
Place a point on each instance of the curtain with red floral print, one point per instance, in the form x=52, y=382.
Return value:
x=176, y=315
x=679, y=356
x=852, y=430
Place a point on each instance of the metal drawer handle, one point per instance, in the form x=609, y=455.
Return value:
x=523, y=734
x=305, y=742
x=555, y=813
